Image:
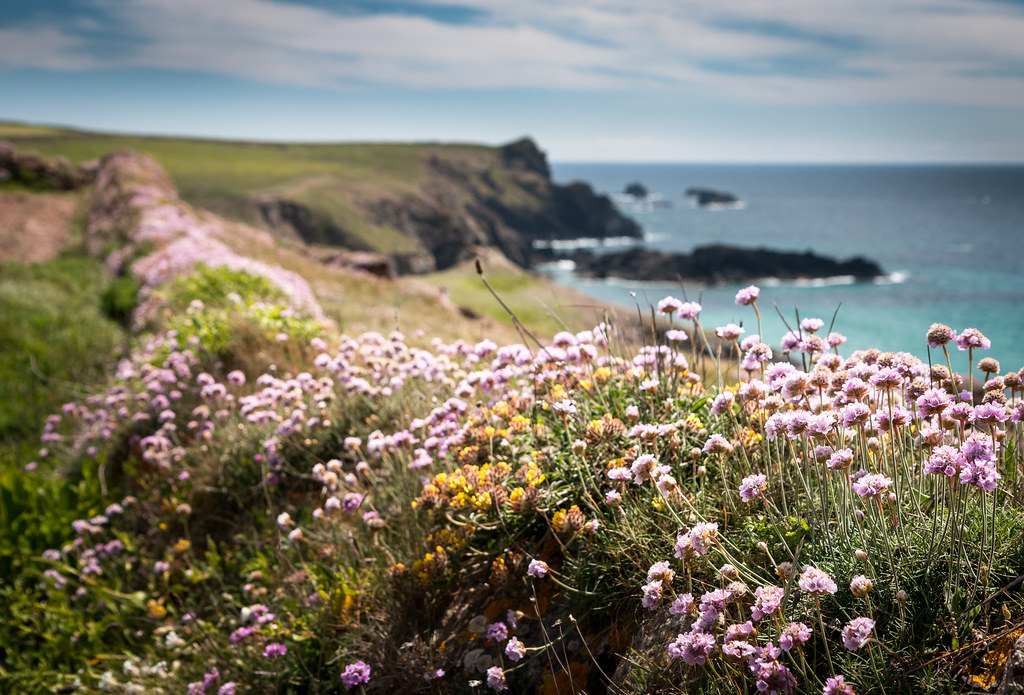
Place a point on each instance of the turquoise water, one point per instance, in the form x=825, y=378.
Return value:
x=949, y=238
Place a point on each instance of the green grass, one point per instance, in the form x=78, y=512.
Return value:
x=539, y=303
x=54, y=341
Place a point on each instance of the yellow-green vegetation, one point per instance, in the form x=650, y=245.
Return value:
x=536, y=301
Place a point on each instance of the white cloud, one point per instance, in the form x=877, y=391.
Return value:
x=931, y=50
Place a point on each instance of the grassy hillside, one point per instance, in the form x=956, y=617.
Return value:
x=225, y=176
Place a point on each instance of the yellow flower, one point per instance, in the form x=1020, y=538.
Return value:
x=519, y=424
x=155, y=610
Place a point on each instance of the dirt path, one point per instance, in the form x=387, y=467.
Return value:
x=34, y=226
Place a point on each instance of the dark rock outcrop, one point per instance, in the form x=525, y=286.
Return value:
x=706, y=197
x=41, y=173
x=312, y=226
x=464, y=208
x=720, y=263
x=636, y=189
x=524, y=155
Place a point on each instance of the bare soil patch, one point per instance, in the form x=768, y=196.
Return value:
x=34, y=227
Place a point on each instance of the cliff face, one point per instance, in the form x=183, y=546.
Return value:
x=499, y=198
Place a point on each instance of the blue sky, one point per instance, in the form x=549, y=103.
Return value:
x=590, y=80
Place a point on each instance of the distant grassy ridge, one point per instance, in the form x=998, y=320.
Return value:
x=224, y=176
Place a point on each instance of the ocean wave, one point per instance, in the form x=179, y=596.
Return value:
x=717, y=207
x=564, y=264
x=896, y=278
x=584, y=243
x=832, y=281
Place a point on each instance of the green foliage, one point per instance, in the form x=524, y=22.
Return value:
x=215, y=286
x=54, y=340
x=120, y=299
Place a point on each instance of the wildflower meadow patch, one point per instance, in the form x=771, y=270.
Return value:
x=579, y=516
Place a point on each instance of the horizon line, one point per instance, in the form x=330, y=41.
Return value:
x=553, y=161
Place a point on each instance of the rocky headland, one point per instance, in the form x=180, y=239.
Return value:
x=502, y=198
x=719, y=263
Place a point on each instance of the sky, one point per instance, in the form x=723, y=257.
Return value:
x=589, y=80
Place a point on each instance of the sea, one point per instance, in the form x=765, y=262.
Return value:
x=949, y=238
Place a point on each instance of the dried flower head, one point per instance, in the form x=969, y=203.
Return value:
x=940, y=334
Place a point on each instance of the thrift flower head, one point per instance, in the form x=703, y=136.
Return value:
x=689, y=310
x=837, y=686
x=660, y=570
x=771, y=676
x=753, y=486
x=538, y=569
x=697, y=541
x=683, y=605
x=990, y=413
x=692, y=647
x=652, y=594
x=497, y=632
x=840, y=460
x=717, y=444
x=767, y=600
x=871, y=484
x=729, y=331
x=748, y=295
x=860, y=585
x=835, y=339
x=643, y=468
x=669, y=305
x=857, y=632
x=676, y=336
x=932, y=402
x=811, y=325
x=940, y=334
x=515, y=650
x=794, y=635
x=496, y=678
x=972, y=338
x=945, y=460
x=274, y=650
x=355, y=674
x=814, y=581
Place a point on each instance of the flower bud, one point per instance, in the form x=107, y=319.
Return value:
x=860, y=555
x=860, y=585
x=902, y=597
